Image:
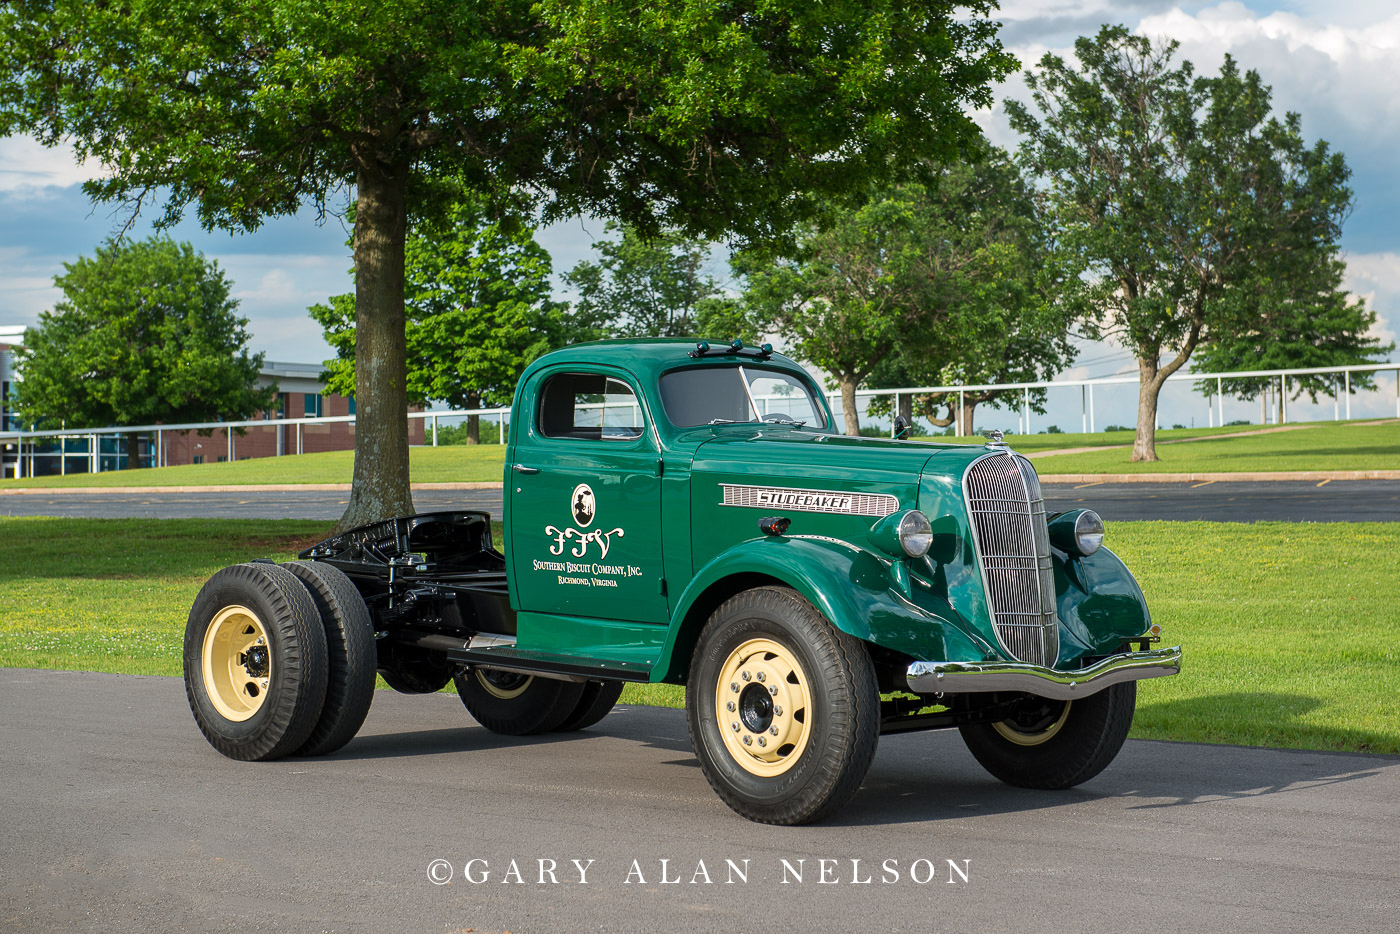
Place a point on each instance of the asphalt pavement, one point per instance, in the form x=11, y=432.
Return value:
x=1222, y=501
x=118, y=815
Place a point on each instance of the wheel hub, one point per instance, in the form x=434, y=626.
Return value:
x=255, y=661
x=763, y=698
x=236, y=663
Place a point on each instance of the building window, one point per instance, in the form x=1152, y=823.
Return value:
x=312, y=406
x=352, y=406
x=197, y=459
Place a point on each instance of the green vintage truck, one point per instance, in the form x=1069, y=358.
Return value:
x=686, y=513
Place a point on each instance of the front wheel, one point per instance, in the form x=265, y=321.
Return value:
x=783, y=709
x=1055, y=744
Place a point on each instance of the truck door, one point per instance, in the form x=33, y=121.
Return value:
x=586, y=501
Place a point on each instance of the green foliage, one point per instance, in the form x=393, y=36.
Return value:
x=644, y=288
x=718, y=118
x=477, y=306
x=1300, y=322
x=1013, y=295
x=146, y=332
x=1182, y=196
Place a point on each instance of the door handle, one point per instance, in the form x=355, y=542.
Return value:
x=521, y=468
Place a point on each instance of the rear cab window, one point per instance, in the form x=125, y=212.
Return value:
x=589, y=407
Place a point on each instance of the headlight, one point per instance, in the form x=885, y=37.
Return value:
x=916, y=534
x=903, y=533
x=1078, y=532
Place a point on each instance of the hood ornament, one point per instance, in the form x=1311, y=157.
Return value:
x=995, y=440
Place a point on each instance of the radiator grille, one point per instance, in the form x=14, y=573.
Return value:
x=1013, y=545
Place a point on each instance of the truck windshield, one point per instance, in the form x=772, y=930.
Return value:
x=718, y=395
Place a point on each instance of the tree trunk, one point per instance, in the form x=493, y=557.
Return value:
x=133, y=450
x=906, y=407
x=379, y=489
x=965, y=417
x=473, y=421
x=848, y=404
x=1149, y=387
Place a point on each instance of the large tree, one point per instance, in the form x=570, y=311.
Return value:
x=1181, y=195
x=146, y=332
x=478, y=308
x=718, y=117
x=642, y=287
x=949, y=280
x=1009, y=321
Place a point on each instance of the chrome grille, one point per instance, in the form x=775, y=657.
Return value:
x=1013, y=546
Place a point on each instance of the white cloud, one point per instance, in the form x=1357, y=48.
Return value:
x=28, y=168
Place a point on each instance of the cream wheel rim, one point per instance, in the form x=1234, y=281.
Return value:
x=1023, y=738
x=507, y=685
x=763, y=707
x=236, y=661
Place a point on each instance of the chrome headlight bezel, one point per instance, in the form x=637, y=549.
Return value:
x=1079, y=532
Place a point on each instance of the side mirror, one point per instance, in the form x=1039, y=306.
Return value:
x=901, y=427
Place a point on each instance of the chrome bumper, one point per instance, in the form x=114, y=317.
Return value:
x=974, y=677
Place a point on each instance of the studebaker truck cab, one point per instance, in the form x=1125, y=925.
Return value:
x=685, y=512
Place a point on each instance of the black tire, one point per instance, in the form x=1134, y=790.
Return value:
x=262, y=703
x=822, y=750
x=350, y=654
x=517, y=705
x=1055, y=747
x=599, y=698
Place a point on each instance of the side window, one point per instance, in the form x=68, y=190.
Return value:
x=589, y=406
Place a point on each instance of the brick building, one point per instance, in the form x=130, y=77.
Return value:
x=301, y=395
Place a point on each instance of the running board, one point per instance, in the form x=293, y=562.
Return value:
x=488, y=650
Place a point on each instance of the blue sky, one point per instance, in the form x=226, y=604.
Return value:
x=1337, y=64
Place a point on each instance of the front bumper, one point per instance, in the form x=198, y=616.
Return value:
x=976, y=677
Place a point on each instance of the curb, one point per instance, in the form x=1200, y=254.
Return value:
x=1299, y=475
x=251, y=488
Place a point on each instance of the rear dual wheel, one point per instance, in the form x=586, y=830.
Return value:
x=278, y=660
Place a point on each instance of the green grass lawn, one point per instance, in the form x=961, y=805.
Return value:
x=1290, y=630
x=1320, y=446
x=460, y=463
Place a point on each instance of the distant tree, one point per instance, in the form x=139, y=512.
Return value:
x=1009, y=319
x=644, y=287
x=724, y=119
x=478, y=309
x=1180, y=194
x=1299, y=323
x=925, y=284
x=146, y=332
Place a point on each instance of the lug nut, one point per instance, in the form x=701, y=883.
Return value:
x=744, y=675
x=773, y=730
x=748, y=740
x=260, y=641
x=734, y=686
x=777, y=711
x=761, y=676
x=729, y=706
x=735, y=726
x=762, y=741
x=263, y=683
x=773, y=689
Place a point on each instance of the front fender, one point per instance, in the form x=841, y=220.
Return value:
x=1099, y=603
x=857, y=591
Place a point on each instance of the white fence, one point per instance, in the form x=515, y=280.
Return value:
x=21, y=456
